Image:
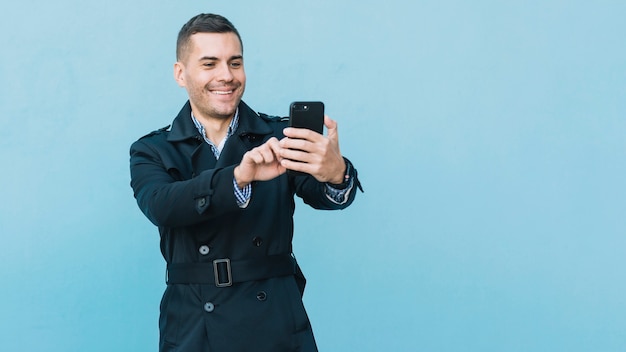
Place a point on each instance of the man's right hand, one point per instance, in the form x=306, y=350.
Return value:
x=260, y=164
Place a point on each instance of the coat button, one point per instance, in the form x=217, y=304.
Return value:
x=261, y=296
x=201, y=202
x=204, y=250
x=258, y=241
x=209, y=307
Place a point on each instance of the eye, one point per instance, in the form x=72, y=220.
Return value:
x=236, y=64
x=208, y=64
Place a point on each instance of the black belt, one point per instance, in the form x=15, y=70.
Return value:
x=225, y=272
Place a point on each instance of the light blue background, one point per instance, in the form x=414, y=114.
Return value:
x=489, y=137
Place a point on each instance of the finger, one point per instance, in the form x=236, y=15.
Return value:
x=329, y=123
x=265, y=153
x=300, y=144
x=331, y=126
x=301, y=133
x=256, y=156
x=272, y=141
x=275, y=149
x=274, y=145
x=268, y=155
x=296, y=155
x=309, y=164
x=295, y=165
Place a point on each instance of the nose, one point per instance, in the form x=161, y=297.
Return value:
x=224, y=73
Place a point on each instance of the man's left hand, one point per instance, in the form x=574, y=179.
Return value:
x=308, y=151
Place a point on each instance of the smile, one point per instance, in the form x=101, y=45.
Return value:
x=222, y=92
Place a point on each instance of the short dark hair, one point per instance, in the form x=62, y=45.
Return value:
x=203, y=23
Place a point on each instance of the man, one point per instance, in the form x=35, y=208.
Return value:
x=216, y=185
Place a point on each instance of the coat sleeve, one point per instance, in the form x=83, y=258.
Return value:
x=168, y=201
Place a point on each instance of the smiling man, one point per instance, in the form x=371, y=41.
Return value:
x=215, y=184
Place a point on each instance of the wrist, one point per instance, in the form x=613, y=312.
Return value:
x=338, y=180
x=344, y=180
x=237, y=176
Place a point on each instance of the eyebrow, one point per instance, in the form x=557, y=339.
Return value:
x=213, y=58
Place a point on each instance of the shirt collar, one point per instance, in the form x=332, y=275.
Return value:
x=249, y=124
x=232, y=127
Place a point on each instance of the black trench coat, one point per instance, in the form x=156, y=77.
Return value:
x=188, y=194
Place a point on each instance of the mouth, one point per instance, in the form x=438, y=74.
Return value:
x=221, y=92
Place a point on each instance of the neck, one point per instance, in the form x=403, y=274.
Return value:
x=215, y=129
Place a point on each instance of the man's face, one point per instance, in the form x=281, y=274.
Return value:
x=212, y=73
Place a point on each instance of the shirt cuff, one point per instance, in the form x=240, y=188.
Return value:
x=242, y=195
x=339, y=196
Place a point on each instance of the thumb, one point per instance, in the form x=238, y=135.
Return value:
x=331, y=126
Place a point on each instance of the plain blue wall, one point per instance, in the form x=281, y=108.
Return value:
x=489, y=137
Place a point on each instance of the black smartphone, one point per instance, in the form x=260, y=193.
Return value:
x=306, y=114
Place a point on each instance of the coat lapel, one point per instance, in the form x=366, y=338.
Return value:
x=251, y=132
x=203, y=158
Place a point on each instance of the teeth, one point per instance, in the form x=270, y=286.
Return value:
x=222, y=92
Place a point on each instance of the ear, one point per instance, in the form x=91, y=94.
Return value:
x=179, y=70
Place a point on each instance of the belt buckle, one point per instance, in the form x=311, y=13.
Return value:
x=229, y=272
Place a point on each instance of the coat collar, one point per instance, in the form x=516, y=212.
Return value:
x=249, y=124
